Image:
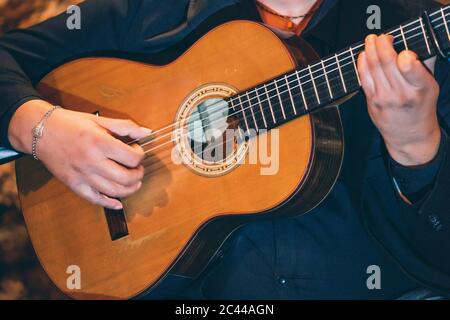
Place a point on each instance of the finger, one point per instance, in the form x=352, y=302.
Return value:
x=412, y=70
x=111, y=189
x=381, y=82
x=113, y=171
x=130, y=156
x=87, y=192
x=124, y=128
x=388, y=60
x=365, y=75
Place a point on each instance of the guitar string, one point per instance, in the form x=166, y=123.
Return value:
x=331, y=58
x=303, y=76
x=272, y=107
x=149, y=165
x=259, y=102
x=293, y=74
x=268, y=99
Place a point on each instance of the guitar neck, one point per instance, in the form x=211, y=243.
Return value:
x=311, y=88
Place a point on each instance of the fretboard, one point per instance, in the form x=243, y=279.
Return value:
x=310, y=88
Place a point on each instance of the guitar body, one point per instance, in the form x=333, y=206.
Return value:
x=179, y=219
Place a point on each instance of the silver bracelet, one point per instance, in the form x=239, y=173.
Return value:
x=38, y=131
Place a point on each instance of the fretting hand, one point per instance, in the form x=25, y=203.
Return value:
x=402, y=98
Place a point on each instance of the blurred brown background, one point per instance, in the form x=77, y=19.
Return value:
x=21, y=276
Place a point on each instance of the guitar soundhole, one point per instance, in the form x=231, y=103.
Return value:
x=207, y=137
x=213, y=132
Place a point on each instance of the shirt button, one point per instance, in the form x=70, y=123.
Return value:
x=220, y=254
x=282, y=281
x=435, y=222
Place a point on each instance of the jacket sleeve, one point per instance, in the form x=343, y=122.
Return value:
x=417, y=235
x=27, y=55
x=414, y=183
x=434, y=209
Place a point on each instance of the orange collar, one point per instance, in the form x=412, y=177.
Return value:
x=271, y=18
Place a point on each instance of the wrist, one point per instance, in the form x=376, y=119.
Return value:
x=23, y=122
x=416, y=153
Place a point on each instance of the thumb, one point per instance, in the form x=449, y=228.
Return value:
x=412, y=70
x=123, y=128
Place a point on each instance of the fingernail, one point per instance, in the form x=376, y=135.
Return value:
x=118, y=207
x=146, y=131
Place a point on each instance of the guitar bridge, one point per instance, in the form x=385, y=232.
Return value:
x=117, y=223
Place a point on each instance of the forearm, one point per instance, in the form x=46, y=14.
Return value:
x=15, y=90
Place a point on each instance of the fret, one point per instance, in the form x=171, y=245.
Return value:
x=265, y=106
x=354, y=66
x=340, y=73
x=319, y=84
x=232, y=104
x=283, y=93
x=320, y=79
x=251, y=109
x=445, y=23
x=332, y=72
x=290, y=94
x=237, y=116
x=404, y=38
x=261, y=108
x=438, y=22
x=286, y=95
x=309, y=89
x=349, y=71
x=243, y=113
x=301, y=90
x=416, y=38
x=425, y=36
x=274, y=99
x=314, y=84
x=328, y=80
x=279, y=98
x=270, y=104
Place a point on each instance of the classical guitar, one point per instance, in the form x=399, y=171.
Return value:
x=238, y=76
